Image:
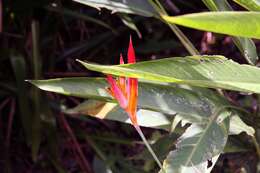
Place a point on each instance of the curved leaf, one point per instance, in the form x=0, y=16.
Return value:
x=157, y=97
x=203, y=71
x=252, y=5
x=193, y=106
x=140, y=7
x=244, y=24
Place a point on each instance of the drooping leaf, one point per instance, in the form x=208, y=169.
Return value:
x=199, y=144
x=128, y=21
x=69, y=12
x=252, y=5
x=140, y=7
x=203, y=71
x=245, y=45
x=157, y=97
x=243, y=24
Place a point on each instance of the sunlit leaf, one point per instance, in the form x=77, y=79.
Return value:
x=203, y=71
x=243, y=24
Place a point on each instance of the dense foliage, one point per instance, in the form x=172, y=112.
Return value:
x=198, y=89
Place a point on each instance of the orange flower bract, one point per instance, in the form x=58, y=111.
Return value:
x=125, y=90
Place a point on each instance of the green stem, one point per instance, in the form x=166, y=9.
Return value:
x=138, y=129
x=256, y=146
x=184, y=40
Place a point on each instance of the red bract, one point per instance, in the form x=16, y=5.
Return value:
x=125, y=90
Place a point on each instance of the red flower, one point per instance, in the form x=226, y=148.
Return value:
x=125, y=90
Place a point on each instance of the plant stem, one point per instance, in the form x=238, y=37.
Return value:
x=138, y=129
x=256, y=146
x=184, y=40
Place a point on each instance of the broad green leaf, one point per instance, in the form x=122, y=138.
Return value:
x=139, y=7
x=192, y=106
x=203, y=71
x=243, y=24
x=198, y=144
x=198, y=105
x=252, y=5
x=245, y=45
x=157, y=97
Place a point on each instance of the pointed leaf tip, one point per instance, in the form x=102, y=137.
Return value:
x=131, y=52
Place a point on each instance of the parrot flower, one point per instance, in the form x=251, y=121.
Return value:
x=125, y=90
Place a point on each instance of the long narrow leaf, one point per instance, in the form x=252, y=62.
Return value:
x=244, y=24
x=140, y=7
x=252, y=5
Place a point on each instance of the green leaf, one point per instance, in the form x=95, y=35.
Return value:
x=78, y=15
x=196, y=105
x=198, y=144
x=203, y=71
x=130, y=23
x=192, y=105
x=243, y=24
x=139, y=7
x=19, y=68
x=237, y=126
x=157, y=97
x=246, y=46
x=252, y=5
x=219, y=5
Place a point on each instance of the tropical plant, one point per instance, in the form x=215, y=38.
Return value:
x=189, y=98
